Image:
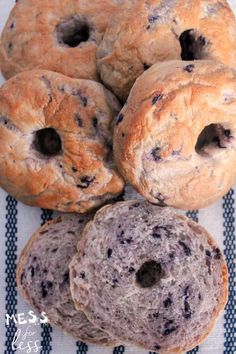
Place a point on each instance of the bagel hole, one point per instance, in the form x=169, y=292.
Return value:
x=213, y=135
x=73, y=31
x=149, y=274
x=48, y=142
x=192, y=45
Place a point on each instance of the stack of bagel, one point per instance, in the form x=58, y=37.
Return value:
x=107, y=95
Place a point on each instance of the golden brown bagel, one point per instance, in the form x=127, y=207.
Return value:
x=160, y=30
x=56, y=137
x=58, y=35
x=175, y=140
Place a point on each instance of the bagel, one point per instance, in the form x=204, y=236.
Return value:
x=58, y=35
x=56, y=141
x=43, y=277
x=150, y=277
x=174, y=140
x=159, y=30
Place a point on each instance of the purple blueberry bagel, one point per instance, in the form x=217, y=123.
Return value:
x=43, y=277
x=149, y=277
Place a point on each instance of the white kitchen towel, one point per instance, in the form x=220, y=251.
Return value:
x=17, y=223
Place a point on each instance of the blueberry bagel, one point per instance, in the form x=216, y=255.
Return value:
x=149, y=277
x=43, y=277
x=175, y=140
x=56, y=137
x=159, y=30
x=58, y=35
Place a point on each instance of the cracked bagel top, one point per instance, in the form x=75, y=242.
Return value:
x=56, y=136
x=175, y=139
x=149, y=276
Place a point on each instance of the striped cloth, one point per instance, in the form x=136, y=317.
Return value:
x=17, y=222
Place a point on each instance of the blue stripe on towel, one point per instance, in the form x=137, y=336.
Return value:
x=82, y=348
x=194, y=216
x=46, y=329
x=230, y=247
x=194, y=351
x=11, y=256
x=119, y=350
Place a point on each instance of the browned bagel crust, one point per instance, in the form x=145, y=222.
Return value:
x=56, y=137
x=150, y=31
x=44, y=35
x=161, y=145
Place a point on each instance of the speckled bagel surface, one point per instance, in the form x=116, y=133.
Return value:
x=158, y=30
x=43, y=277
x=175, y=139
x=56, y=138
x=58, y=35
x=149, y=276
